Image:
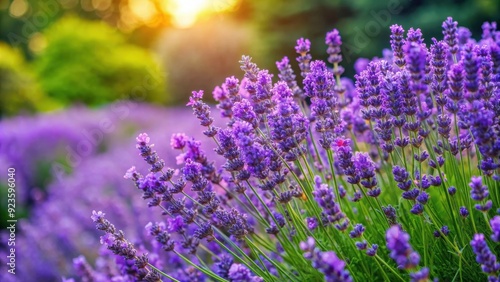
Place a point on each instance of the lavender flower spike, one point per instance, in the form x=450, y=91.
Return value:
x=485, y=257
x=327, y=263
x=495, y=227
x=302, y=48
x=397, y=42
x=479, y=192
x=399, y=246
x=450, y=34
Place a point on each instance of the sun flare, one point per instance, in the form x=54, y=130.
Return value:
x=186, y=12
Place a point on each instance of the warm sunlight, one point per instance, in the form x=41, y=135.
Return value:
x=143, y=10
x=186, y=12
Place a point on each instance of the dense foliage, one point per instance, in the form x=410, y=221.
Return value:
x=89, y=62
x=19, y=89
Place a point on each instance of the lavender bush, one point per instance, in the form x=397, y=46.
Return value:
x=394, y=177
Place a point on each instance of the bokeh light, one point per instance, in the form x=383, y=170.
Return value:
x=186, y=12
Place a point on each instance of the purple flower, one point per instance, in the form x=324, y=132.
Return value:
x=455, y=84
x=286, y=74
x=288, y=124
x=397, y=42
x=361, y=245
x=471, y=64
x=372, y=251
x=444, y=230
x=402, y=178
x=319, y=85
x=202, y=112
x=312, y=223
x=495, y=227
x=464, y=212
x=478, y=191
x=421, y=275
x=344, y=158
x=319, y=82
x=326, y=200
x=423, y=197
x=229, y=150
x=486, y=138
x=227, y=95
x=361, y=64
x=244, y=111
x=97, y=216
x=192, y=171
x=364, y=165
x=303, y=48
x=452, y=190
x=204, y=231
x=365, y=169
x=239, y=273
x=150, y=156
x=157, y=230
x=357, y=231
x=251, y=70
x=484, y=256
x=439, y=51
x=415, y=63
x=400, y=250
x=450, y=34
x=175, y=224
x=464, y=35
x=417, y=208
x=414, y=36
x=334, y=41
x=333, y=268
x=83, y=269
x=261, y=93
x=327, y=263
x=225, y=104
x=234, y=221
x=390, y=214
x=178, y=141
x=223, y=265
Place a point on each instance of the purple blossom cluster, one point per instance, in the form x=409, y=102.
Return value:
x=403, y=254
x=485, y=257
x=327, y=263
x=303, y=159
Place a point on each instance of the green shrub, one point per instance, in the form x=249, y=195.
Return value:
x=90, y=62
x=18, y=89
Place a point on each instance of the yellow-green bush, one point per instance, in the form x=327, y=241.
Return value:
x=90, y=62
x=18, y=89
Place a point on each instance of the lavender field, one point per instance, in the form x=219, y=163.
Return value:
x=249, y=140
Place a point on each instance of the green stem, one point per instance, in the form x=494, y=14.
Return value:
x=207, y=272
x=163, y=273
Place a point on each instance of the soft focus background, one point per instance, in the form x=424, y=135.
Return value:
x=79, y=79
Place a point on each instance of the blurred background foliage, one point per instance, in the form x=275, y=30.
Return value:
x=98, y=51
x=19, y=89
x=90, y=62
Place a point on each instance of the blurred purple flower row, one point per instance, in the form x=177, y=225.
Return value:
x=83, y=154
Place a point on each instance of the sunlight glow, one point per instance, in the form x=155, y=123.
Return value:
x=186, y=12
x=144, y=10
